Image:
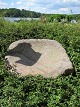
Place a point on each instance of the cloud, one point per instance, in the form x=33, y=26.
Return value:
x=64, y=9
x=19, y=2
x=70, y=0
x=46, y=6
x=50, y=6
x=3, y=4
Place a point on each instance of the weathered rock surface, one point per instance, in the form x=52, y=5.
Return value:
x=38, y=57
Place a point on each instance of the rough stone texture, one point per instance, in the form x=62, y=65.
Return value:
x=38, y=56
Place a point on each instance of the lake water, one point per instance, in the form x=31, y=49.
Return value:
x=15, y=19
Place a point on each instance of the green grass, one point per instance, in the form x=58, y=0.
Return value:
x=64, y=91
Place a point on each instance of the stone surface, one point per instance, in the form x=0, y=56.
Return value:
x=38, y=57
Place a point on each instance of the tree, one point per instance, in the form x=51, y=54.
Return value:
x=69, y=18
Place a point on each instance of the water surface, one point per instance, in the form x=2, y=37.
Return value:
x=15, y=19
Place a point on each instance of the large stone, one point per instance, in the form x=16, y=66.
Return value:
x=38, y=57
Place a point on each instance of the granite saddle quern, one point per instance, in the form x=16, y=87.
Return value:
x=38, y=57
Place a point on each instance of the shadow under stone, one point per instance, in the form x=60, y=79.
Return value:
x=26, y=54
x=68, y=71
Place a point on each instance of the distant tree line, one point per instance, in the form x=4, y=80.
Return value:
x=13, y=12
x=63, y=17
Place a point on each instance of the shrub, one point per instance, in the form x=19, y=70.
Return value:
x=38, y=91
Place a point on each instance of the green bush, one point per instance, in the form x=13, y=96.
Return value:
x=38, y=91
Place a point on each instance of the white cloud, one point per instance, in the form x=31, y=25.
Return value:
x=70, y=0
x=49, y=6
x=3, y=4
x=19, y=2
x=64, y=9
x=45, y=6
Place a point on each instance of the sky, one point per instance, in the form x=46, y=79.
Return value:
x=44, y=6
